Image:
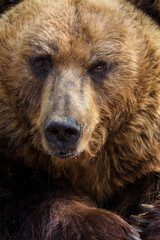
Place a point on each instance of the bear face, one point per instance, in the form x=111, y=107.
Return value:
x=77, y=82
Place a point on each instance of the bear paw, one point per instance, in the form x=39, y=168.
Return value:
x=93, y=224
x=75, y=221
x=148, y=223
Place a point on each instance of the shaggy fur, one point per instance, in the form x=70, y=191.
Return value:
x=51, y=65
x=151, y=7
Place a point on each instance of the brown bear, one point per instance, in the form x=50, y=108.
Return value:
x=79, y=121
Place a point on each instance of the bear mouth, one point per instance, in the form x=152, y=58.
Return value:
x=64, y=154
x=61, y=152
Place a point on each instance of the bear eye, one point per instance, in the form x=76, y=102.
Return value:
x=100, y=67
x=41, y=63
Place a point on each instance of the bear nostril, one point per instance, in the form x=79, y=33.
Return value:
x=53, y=131
x=70, y=132
x=65, y=131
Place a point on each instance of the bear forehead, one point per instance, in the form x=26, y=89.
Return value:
x=66, y=24
x=67, y=18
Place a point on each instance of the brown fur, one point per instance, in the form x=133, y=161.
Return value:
x=118, y=151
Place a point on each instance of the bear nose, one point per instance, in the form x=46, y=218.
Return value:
x=62, y=131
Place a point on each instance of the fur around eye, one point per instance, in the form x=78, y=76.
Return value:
x=99, y=70
x=41, y=65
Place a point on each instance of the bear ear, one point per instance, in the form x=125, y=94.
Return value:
x=151, y=7
x=6, y=4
